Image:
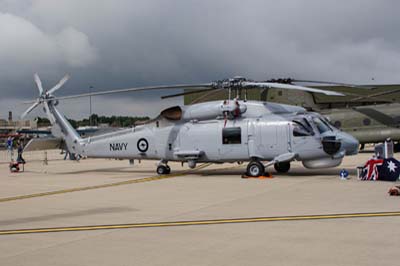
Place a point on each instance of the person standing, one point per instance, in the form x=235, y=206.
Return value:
x=67, y=154
x=10, y=146
x=20, y=151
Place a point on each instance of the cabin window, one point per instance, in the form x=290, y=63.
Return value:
x=232, y=135
x=366, y=122
x=337, y=124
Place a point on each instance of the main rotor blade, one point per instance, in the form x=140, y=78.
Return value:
x=59, y=84
x=212, y=92
x=289, y=87
x=33, y=106
x=333, y=83
x=376, y=95
x=29, y=102
x=163, y=87
x=187, y=93
x=38, y=83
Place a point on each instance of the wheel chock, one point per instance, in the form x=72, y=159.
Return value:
x=265, y=176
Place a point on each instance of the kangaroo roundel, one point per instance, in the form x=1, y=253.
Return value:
x=142, y=145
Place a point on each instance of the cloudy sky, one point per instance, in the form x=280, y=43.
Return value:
x=128, y=43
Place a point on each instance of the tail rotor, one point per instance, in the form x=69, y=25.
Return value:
x=59, y=84
x=38, y=83
x=44, y=96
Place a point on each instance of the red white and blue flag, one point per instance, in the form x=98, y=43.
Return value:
x=371, y=171
x=390, y=170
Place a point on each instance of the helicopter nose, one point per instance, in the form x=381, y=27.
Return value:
x=349, y=143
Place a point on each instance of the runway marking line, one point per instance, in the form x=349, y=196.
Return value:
x=127, y=182
x=199, y=222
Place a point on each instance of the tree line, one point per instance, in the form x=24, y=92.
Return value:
x=95, y=120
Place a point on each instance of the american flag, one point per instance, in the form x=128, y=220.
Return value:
x=370, y=170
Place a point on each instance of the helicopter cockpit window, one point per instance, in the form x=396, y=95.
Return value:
x=308, y=125
x=327, y=122
x=300, y=130
x=232, y=135
x=321, y=125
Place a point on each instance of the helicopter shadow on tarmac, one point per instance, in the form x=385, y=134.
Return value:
x=334, y=172
x=125, y=170
x=114, y=170
x=322, y=172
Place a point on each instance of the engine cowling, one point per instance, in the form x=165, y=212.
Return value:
x=213, y=110
x=173, y=113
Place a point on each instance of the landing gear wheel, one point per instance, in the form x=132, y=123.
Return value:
x=168, y=169
x=163, y=170
x=255, y=169
x=282, y=167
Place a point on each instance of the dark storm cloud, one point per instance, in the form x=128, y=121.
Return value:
x=121, y=43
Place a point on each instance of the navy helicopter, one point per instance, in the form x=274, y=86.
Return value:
x=233, y=130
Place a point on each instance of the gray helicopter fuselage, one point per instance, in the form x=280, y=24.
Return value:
x=218, y=131
x=201, y=133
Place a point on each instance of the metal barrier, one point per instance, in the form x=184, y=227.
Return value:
x=48, y=155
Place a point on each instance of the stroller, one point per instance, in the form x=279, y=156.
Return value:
x=14, y=166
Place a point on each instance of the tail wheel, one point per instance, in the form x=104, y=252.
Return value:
x=163, y=170
x=282, y=167
x=255, y=169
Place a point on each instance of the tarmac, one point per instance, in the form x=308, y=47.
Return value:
x=107, y=212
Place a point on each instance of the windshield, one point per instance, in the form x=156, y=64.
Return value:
x=321, y=125
x=327, y=122
x=300, y=129
x=308, y=126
